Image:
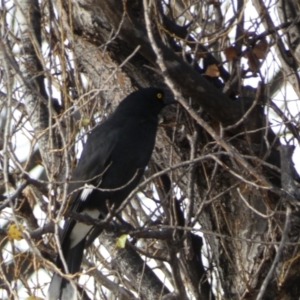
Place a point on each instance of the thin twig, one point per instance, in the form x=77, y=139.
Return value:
x=228, y=147
x=253, y=209
x=278, y=254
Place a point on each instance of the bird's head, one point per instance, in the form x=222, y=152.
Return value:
x=147, y=101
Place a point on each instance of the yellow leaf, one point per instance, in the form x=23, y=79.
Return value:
x=121, y=241
x=85, y=122
x=33, y=298
x=14, y=232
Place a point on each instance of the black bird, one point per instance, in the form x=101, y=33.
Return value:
x=111, y=165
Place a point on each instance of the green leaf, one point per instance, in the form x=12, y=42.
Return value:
x=121, y=241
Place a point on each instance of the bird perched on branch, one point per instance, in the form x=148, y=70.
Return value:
x=111, y=165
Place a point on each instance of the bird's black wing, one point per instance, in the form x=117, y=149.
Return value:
x=94, y=160
x=95, y=155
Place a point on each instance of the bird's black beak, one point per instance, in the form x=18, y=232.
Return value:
x=169, y=98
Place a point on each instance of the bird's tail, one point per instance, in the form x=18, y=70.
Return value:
x=61, y=288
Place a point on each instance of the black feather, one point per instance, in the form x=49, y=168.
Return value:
x=113, y=159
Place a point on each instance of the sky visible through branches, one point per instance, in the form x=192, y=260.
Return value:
x=23, y=141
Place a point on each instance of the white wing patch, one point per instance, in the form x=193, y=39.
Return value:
x=68, y=292
x=54, y=289
x=88, y=188
x=80, y=230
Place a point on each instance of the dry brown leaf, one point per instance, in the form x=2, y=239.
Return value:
x=29, y=195
x=212, y=71
x=261, y=48
x=230, y=53
x=253, y=61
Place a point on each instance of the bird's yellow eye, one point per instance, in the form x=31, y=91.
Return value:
x=159, y=95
